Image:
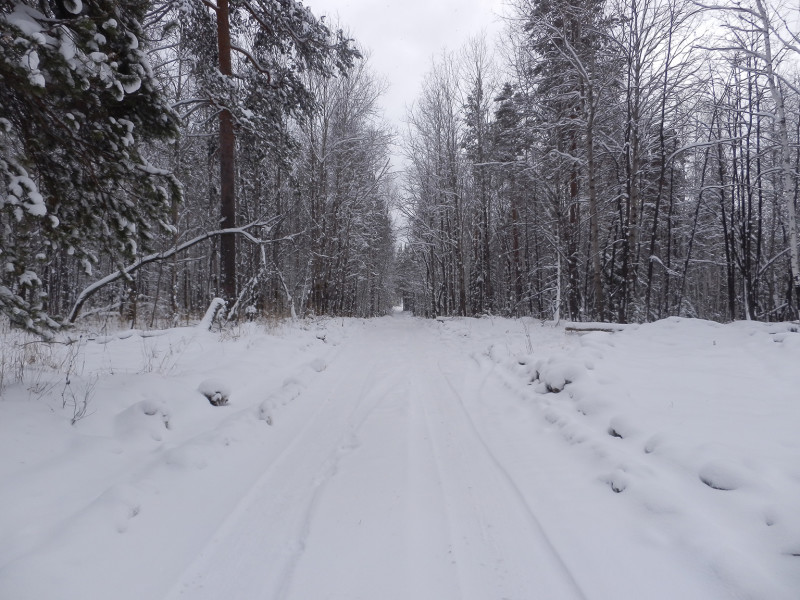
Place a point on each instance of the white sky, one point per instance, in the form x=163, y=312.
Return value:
x=403, y=36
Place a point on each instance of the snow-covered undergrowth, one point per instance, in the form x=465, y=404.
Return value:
x=656, y=460
x=112, y=429
x=695, y=425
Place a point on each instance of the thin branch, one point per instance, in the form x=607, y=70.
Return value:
x=254, y=61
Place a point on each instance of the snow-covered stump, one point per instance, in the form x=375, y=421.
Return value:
x=216, y=308
x=251, y=312
x=216, y=393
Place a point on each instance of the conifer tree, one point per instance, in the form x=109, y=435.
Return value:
x=77, y=99
x=263, y=48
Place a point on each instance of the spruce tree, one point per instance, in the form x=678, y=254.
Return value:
x=77, y=100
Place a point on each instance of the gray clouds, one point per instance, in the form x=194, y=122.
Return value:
x=404, y=36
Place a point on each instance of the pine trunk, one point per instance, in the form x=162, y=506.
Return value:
x=227, y=172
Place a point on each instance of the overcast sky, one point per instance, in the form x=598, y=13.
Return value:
x=404, y=35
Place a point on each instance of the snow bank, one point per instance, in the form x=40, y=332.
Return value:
x=696, y=424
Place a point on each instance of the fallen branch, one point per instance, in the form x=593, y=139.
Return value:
x=610, y=328
x=125, y=272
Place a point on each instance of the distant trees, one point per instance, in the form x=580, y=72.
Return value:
x=623, y=168
x=758, y=38
x=437, y=188
x=477, y=143
x=344, y=187
x=607, y=163
x=568, y=66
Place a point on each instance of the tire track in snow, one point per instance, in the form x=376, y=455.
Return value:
x=498, y=544
x=511, y=486
x=243, y=552
x=347, y=443
x=425, y=552
x=386, y=525
x=466, y=532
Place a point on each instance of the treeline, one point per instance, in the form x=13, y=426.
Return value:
x=157, y=154
x=620, y=161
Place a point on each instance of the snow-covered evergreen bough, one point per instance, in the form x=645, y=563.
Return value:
x=77, y=97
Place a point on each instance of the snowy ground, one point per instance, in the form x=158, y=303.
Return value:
x=408, y=459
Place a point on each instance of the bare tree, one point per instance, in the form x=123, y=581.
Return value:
x=774, y=37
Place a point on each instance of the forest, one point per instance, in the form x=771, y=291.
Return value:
x=603, y=160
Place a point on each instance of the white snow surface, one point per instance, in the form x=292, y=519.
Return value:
x=399, y=458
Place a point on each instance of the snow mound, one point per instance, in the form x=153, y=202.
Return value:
x=723, y=475
x=318, y=365
x=148, y=417
x=620, y=427
x=559, y=371
x=618, y=481
x=217, y=393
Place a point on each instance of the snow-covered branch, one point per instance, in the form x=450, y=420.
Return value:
x=254, y=61
x=159, y=256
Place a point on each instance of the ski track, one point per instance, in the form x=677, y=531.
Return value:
x=388, y=491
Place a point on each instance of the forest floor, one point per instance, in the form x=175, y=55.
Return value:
x=401, y=458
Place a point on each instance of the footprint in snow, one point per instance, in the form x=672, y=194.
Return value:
x=290, y=390
x=128, y=512
x=318, y=365
x=652, y=444
x=617, y=481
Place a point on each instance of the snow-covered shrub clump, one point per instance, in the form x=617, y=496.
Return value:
x=557, y=372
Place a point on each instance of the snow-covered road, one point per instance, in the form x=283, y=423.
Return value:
x=400, y=458
x=388, y=491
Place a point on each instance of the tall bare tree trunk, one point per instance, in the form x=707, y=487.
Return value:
x=648, y=315
x=227, y=172
x=599, y=311
x=783, y=134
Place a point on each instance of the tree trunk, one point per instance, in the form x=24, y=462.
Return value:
x=594, y=218
x=783, y=134
x=227, y=172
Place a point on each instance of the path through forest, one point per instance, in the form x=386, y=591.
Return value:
x=399, y=485
x=407, y=459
